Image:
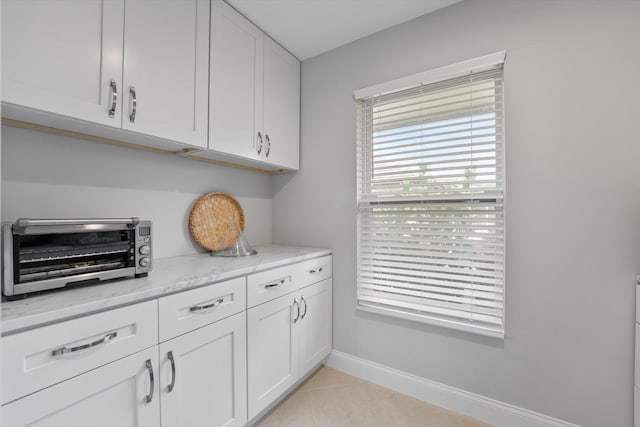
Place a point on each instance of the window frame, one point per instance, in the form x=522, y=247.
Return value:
x=435, y=76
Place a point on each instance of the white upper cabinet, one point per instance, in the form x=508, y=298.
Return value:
x=139, y=65
x=64, y=57
x=235, y=106
x=166, y=69
x=281, y=106
x=254, y=100
x=165, y=74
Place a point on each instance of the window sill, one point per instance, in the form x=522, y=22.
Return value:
x=432, y=320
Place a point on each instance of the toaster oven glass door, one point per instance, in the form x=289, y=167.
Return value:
x=48, y=256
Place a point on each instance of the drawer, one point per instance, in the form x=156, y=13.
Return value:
x=186, y=311
x=314, y=270
x=41, y=357
x=270, y=284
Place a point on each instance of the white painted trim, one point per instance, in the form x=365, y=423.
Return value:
x=433, y=320
x=474, y=405
x=435, y=75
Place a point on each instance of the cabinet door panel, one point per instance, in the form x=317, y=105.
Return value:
x=281, y=105
x=315, y=334
x=210, y=376
x=113, y=395
x=236, y=83
x=272, y=354
x=166, y=60
x=60, y=56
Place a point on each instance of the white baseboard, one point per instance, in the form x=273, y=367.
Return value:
x=479, y=407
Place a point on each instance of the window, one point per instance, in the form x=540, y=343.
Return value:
x=431, y=177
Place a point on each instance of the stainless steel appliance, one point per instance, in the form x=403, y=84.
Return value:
x=41, y=254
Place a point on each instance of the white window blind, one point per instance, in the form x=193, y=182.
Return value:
x=431, y=202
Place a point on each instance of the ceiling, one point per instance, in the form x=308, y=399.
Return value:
x=307, y=28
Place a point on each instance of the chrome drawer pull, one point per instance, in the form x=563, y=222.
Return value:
x=305, y=307
x=149, y=366
x=274, y=285
x=134, y=104
x=268, y=149
x=295, y=302
x=173, y=371
x=259, y=147
x=114, y=98
x=102, y=340
x=205, y=307
x=315, y=270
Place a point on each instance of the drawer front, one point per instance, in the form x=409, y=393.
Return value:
x=186, y=311
x=315, y=270
x=41, y=357
x=270, y=284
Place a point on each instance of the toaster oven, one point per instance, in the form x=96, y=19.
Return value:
x=42, y=254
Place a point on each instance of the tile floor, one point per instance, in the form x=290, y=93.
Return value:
x=330, y=398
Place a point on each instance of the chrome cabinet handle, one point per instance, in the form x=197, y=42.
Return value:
x=149, y=366
x=295, y=302
x=259, y=149
x=315, y=270
x=64, y=350
x=114, y=98
x=204, y=307
x=173, y=371
x=305, y=307
x=268, y=149
x=274, y=285
x=134, y=104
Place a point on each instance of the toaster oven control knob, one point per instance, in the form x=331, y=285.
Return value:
x=144, y=262
x=145, y=250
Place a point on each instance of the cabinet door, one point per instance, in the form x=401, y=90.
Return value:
x=113, y=395
x=235, y=105
x=61, y=56
x=281, y=106
x=272, y=353
x=208, y=376
x=315, y=326
x=166, y=69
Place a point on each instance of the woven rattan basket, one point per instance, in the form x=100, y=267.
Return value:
x=216, y=221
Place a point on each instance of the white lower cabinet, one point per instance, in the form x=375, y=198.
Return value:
x=286, y=338
x=123, y=393
x=191, y=359
x=203, y=376
x=315, y=325
x=272, y=353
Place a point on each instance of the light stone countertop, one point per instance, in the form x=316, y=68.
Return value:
x=169, y=275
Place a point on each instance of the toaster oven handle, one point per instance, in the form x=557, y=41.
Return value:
x=23, y=223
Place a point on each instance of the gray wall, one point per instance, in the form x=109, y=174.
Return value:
x=573, y=200
x=50, y=176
